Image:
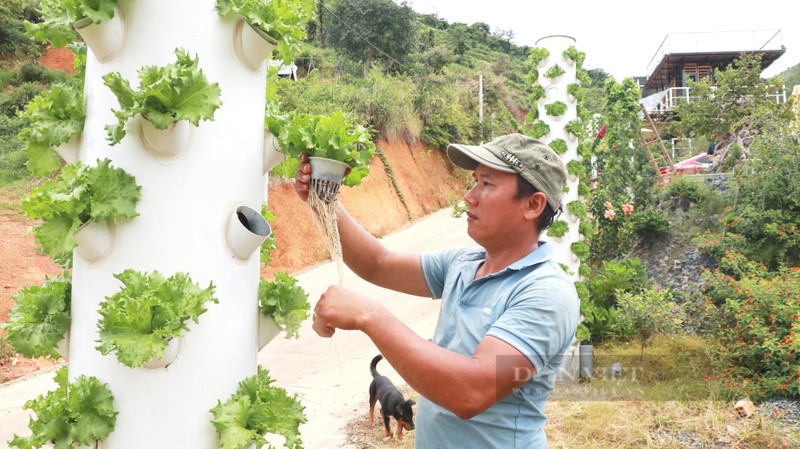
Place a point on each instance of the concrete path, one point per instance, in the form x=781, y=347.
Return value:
x=330, y=376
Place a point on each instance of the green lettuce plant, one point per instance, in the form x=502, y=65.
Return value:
x=59, y=16
x=283, y=20
x=575, y=127
x=138, y=321
x=78, y=195
x=558, y=145
x=576, y=168
x=285, y=301
x=558, y=229
x=269, y=244
x=329, y=137
x=40, y=317
x=575, y=55
x=576, y=90
x=577, y=208
x=76, y=413
x=554, y=72
x=54, y=117
x=580, y=249
x=539, y=129
x=555, y=109
x=178, y=91
x=537, y=92
x=258, y=407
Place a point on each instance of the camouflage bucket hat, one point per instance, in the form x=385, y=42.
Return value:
x=516, y=153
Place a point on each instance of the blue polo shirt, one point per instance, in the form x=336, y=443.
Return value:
x=531, y=305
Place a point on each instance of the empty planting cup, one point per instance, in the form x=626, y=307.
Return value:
x=94, y=240
x=69, y=149
x=174, y=346
x=166, y=142
x=103, y=39
x=267, y=330
x=326, y=177
x=246, y=231
x=62, y=347
x=252, y=45
x=272, y=152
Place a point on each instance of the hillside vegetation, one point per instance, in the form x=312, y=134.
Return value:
x=416, y=79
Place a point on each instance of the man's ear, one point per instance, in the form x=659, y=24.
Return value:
x=534, y=206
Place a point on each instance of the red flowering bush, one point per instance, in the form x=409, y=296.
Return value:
x=760, y=341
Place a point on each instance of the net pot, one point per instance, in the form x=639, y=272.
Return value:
x=326, y=177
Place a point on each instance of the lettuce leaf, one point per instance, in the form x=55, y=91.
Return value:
x=284, y=20
x=138, y=321
x=79, y=194
x=77, y=413
x=269, y=244
x=178, y=91
x=257, y=408
x=40, y=317
x=54, y=117
x=331, y=137
x=66, y=12
x=285, y=301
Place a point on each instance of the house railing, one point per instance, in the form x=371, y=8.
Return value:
x=666, y=100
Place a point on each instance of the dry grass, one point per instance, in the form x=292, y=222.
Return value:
x=669, y=405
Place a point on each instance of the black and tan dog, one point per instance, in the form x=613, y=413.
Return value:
x=392, y=402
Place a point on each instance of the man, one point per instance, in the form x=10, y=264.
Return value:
x=508, y=312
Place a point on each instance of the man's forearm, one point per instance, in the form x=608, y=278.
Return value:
x=360, y=249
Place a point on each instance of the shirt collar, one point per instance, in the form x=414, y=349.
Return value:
x=537, y=256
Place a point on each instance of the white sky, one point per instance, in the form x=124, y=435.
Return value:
x=621, y=36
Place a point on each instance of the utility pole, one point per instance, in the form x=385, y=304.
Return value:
x=480, y=104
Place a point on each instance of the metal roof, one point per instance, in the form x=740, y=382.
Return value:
x=717, y=49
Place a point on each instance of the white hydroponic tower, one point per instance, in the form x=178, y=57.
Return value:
x=555, y=89
x=201, y=194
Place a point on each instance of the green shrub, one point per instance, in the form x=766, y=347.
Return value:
x=648, y=224
x=12, y=153
x=687, y=189
x=614, y=277
x=646, y=314
x=388, y=102
x=771, y=237
x=716, y=245
x=15, y=101
x=760, y=351
x=13, y=14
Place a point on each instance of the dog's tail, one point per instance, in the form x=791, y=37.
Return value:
x=375, y=364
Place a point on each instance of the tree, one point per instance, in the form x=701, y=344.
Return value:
x=12, y=31
x=370, y=30
x=740, y=106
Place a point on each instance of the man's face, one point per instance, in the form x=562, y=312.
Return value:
x=493, y=212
